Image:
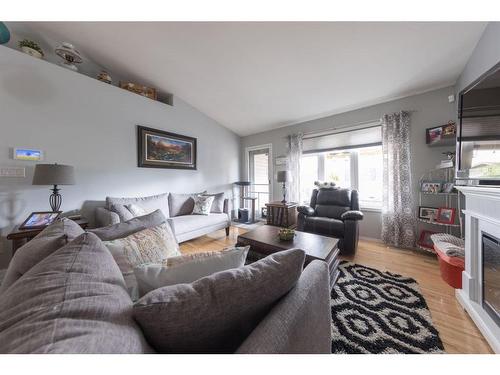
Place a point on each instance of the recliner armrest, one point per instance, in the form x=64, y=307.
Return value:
x=306, y=210
x=352, y=215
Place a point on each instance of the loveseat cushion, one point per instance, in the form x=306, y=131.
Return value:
x=45, y=243
x=149, y=204
x=73, y=301
x=121, y=230
x=216, y=313
x=187, y=223
x=325, y=225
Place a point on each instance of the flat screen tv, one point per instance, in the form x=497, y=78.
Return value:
x=478, y=136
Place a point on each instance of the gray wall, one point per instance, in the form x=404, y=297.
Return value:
x=429, y=109
x=484, y=57
x=80, y=121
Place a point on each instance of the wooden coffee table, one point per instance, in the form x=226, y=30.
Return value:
x=264, y=241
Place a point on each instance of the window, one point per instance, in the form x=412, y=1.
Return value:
x=359, y=169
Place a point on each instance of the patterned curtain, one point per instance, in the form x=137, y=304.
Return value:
x=398, y=209
x=294, y=154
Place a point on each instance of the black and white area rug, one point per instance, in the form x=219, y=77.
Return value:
x=379, y=312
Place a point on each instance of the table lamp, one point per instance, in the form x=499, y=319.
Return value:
x=284, y=177
x=54, y=174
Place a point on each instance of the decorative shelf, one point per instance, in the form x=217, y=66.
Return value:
x=437, y=223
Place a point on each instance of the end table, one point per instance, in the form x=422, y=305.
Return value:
x=282, y=214
x=20, y=236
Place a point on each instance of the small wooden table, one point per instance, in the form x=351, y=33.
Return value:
x=20, y=236
x=282, y=214
x=264, y=241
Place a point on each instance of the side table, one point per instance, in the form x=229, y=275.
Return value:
x=20, y=236
x=282, y=214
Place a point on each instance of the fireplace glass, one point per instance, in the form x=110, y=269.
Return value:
x=491, y=276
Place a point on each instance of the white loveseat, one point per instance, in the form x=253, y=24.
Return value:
x=177, y=208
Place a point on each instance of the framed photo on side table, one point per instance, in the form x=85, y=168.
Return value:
x=40, y=219
x=446, y=215
x=161, y=149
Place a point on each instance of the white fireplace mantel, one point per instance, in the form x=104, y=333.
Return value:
x=482, y=214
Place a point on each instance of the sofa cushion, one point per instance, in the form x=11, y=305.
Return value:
x=45, y=243
x=218, y=203
x=334, y=197
x=216, y=313
x=181, y=204
x=188, y=268
x=188, y=223
x=326, y=226
x=73, y=301
x=149, y=204
x=151, y=245
x=120, y=230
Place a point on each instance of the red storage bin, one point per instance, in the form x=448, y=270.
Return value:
x=451, y=268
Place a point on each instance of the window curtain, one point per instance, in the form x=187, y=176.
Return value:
x=398, y=209
x=294, y=154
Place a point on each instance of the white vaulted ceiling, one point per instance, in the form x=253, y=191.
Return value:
x=253, y=77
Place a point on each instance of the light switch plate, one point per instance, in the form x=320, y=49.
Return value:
x=12, y=172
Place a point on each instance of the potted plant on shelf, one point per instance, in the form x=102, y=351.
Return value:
x=31, y=48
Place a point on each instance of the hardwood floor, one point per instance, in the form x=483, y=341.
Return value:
x=456, y=329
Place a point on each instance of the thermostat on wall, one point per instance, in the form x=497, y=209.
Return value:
x=28, y=154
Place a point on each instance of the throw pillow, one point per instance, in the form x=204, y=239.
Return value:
x=202, y=204
x=181, y=204
x=218, y=203
x=123, y=212
x=124, y=229
x=136, y=210
x=188, y=268
x=152, y=245
x=216, y=313
x=55, y=236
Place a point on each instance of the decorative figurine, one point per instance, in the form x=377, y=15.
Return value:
x=4, y=33
x=31, y=48
x=70, y=55
x=104, y=77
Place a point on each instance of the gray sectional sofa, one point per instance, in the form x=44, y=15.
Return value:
x=177, y=209
x=73, y=299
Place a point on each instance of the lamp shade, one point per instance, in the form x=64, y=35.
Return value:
x=54, y=174
x=283, y=176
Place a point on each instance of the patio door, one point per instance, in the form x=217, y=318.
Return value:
x=259, y=174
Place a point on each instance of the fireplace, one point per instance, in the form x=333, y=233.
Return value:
x=491, y=276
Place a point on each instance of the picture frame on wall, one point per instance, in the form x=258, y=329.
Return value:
x=446, y=215
x=161, y=149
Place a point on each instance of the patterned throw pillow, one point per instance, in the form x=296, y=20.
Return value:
x=152, y=245
x=202, y=204
x=136, y=210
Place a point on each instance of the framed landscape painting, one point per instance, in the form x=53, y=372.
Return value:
x=161, y=149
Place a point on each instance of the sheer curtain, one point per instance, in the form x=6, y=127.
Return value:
x=294, y=154
x=398, y=209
